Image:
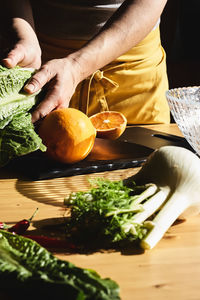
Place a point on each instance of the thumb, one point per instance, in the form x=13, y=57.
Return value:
x=38, y=80
x=14, y=57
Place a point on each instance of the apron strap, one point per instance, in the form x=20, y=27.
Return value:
x=101, y=85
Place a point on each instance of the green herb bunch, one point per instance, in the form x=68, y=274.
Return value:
x=107, y=212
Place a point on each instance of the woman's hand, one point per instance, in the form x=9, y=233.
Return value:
x=22, y=48
x=59, y=77
x=19, y=43
x=23, y=54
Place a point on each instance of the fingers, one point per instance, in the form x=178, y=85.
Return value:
x=53, y=76
x=42, y=110
x=38, y=80
x=45, y=107
x=14, y=57
x=52, y=101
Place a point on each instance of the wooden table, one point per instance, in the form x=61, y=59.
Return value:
x=169, y=271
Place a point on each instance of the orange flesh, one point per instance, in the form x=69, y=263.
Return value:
x=106, y=120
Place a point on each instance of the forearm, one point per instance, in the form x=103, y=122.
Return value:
x=126, y=28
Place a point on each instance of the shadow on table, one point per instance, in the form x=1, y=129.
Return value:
x=55, y=228
x=53, y=191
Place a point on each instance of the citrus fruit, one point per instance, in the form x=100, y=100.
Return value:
x=109, y=124
x=68, y=135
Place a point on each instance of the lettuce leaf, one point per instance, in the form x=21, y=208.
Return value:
x=17, y=133
x=12, y=98
x=26, y=266
x=13, y=80
x=15, y=104
x=18, y=138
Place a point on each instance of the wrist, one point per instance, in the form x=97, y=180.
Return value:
x=23, y=29
x=83, y=64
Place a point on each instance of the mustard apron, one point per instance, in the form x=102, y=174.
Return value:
x=134, y=84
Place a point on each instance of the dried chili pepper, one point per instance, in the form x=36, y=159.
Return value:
x=51, y=242
x=45, y=241
x=21, y=226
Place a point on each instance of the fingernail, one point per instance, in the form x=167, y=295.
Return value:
x=8, y=62
x=7, y=59
x=30, y=87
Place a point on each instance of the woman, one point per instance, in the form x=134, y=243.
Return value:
x=99, y=56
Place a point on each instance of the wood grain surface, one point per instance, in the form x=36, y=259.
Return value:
x=169, y=271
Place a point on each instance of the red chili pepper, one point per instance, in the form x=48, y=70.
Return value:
x=50, y=242
x=21, y=226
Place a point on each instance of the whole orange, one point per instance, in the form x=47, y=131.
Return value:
x=68, y=135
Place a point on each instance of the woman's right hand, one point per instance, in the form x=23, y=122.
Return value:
x=25, y=51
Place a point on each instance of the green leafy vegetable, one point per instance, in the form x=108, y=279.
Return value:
x=18, y=137
x=12, y=98
x=171, y=175
x=17, y=134
x=16, y=104
x=12, y=80
x=26, y=266
x=108, y=212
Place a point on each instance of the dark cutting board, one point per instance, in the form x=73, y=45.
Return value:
x=105, y=155
x=130, y=150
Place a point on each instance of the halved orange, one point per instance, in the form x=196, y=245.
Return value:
x=109, y=124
